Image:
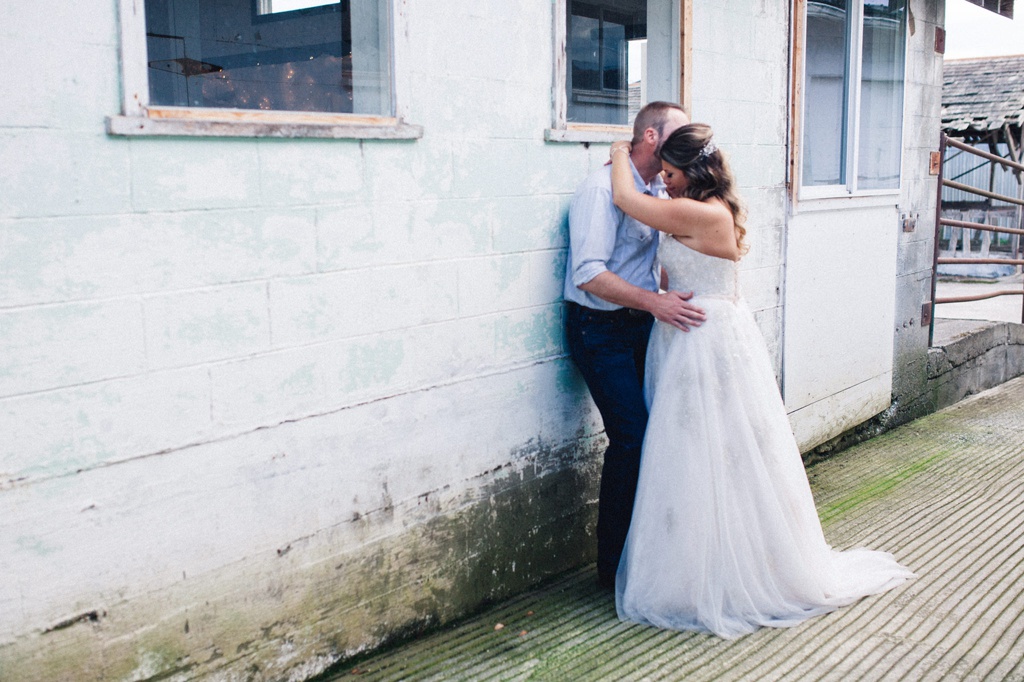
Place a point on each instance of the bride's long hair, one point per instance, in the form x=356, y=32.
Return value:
x=691, y=150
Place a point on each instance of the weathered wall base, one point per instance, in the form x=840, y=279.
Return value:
x=969, y=356
x=290, y=615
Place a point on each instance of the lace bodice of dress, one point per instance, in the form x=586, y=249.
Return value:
x=690, y=270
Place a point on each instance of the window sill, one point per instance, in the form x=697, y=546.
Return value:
x=584, y=133
x=184, y=122
x=841, y=202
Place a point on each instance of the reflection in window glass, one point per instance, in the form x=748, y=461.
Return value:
x=824, y=160
x=855, y=53
x=290, y=55
x=602, y=68
x=275, y=6
x=881, y=95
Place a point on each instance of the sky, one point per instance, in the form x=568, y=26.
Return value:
x=974, y=32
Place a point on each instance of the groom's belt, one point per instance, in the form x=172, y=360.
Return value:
x=611, y=314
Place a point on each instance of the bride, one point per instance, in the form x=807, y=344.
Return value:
x=725, y=537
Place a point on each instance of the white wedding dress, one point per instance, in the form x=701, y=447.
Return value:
x=725, y=537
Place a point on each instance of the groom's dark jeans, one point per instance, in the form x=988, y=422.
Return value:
x=610, y=349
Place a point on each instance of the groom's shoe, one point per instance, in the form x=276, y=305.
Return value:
x=606, y=582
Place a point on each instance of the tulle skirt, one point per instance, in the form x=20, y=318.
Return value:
x=725, y=536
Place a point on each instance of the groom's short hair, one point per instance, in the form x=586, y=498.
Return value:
x=653, y=115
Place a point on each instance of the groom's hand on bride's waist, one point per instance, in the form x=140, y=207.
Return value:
x=674, y=308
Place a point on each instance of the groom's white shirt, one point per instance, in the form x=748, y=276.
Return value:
x=603, y=238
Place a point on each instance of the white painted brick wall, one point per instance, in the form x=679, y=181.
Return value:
x=273, y=487
x=178, y=174
x=52, y=346
x=316, y=175
x=923, y=97
x=212, y=349
x=743, y=95
x=157, y=231
x=169, y=308
x=200, y=326
x=54, y=432
x=51, y=172
x=87, y=22
x=493, y=283
x=67, y=98
x=81, y=258
x=360, y=302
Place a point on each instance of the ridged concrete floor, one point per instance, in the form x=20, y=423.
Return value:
x=944, y=493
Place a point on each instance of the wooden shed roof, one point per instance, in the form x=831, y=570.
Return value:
x=1002, y=7
x=981, y=95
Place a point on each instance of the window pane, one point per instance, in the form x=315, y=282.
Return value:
x=275, y=6
x=613, y=53
x=292, y=55
x=824, y=120
x=585, y=53
x=881, y=95
x=601, y=65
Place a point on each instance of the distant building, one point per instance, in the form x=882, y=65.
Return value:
x=983, y=105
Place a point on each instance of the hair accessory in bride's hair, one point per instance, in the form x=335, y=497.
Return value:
x=708, y=149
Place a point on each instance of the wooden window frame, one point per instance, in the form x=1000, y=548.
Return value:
x=823, y=196
x=139, y=118
x=562, y=130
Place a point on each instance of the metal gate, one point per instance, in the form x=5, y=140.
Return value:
x=945, y=143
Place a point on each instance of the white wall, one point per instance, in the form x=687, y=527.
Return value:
x=840, y=298
x=743, y=94
x=268, y=402
x=855, y=281
x=261, y=398
x=923, y=101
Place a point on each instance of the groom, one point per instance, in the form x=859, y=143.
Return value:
x=612, y=299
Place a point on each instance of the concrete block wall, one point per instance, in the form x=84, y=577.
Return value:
x=971, y=356
x=265, y=403
x=743, y=95
x=923, y=100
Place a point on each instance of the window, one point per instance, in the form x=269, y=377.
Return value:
x=252, y=66
x=613, y=57
x=853, y=96
x=605, y=54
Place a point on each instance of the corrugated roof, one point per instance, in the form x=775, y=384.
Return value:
x=982, y=94
x=1003, y=7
